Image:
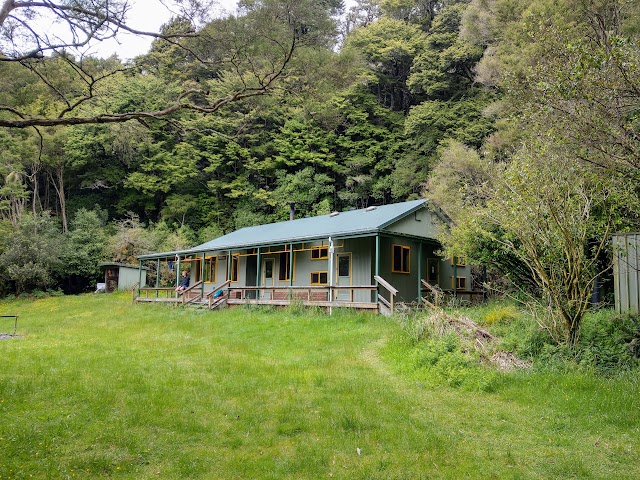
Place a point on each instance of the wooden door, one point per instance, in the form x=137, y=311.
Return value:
x=267, y=276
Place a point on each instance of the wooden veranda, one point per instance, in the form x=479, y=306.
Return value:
x=226, y=295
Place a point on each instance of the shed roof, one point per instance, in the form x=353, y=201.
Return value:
x=119, y=264
x=337, y=224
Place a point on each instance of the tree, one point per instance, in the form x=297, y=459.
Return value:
x=544, y=210
x=33, y=255
x=85, y=247
x=389, y=46
x=230, y=59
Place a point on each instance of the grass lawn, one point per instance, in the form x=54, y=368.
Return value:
x=98, y=387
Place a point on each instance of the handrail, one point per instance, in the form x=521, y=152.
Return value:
x=219, y=287
x=188, y=290
x=436, y=291
x=385, y=284
x=210, y=294
x=384, y=301
x=306, y=287
x=392, y=291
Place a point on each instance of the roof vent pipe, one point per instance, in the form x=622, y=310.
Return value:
x=292, y=211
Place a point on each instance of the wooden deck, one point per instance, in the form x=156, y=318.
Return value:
x=313, y=296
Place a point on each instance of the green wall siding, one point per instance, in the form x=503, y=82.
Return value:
x=421, y=223
x=128, y=277
x=626, y=272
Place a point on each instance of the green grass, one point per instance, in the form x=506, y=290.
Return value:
x=99, y=388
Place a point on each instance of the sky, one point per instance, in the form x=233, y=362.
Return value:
x=149, y=15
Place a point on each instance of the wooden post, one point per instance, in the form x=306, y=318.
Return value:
x=455, y=277
x=158, y=273
x=258, y=267
x=290, y=271
x=202, y=270
x=377, y=274
x=331, y=254
x=419, y=272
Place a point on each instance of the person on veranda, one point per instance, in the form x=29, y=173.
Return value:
x=184, y=282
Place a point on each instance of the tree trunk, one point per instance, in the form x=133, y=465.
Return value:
x=58, y=184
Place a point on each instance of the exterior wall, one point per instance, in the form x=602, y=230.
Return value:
x=361, y=266
x=626, y=272
x=128, y=277
x=405, y=283
x=432, y=267
x=447, y=272
x=421, y=223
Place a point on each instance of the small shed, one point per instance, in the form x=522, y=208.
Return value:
x=121, y=276
x=626, y=272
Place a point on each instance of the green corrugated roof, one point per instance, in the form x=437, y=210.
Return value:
x=352, y=222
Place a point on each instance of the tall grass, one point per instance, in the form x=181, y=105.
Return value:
x=97, y=387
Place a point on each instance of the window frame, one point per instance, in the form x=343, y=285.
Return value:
x=319, y=251
x=287, y=266
x=405, y=267
x=458, y=261
x=319, y=273
x=459, y=280
x=235, y=268
x=210, y=267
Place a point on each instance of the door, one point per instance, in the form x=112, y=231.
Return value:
x=111, y=279
x=433, y=271
x=251, y=276
x=267, y=277
x=343, y=277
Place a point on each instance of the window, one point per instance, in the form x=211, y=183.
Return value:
x=400, y=259
x=319, y=278
x=459, y=261
x=283, y=272
x=344, y=265
x=319, y=253
x=461, y=283
x=235, y=263
x=210, y=270
x=268, y=269
x=195, y=267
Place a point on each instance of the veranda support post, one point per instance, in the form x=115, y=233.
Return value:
x=258, y=272
x=177, y=270
x=202, y=270
x=419, y=272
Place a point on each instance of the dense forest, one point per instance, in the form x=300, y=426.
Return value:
x=519, y=119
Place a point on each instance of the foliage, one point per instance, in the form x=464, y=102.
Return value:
x=541, y=200
x=33, y=253
x=500, y=313
x=610, y=343
x=85, y=248
x=204, y=69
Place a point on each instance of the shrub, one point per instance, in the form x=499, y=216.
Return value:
x=499, y=313
x=439, y=354
x=609, y=341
